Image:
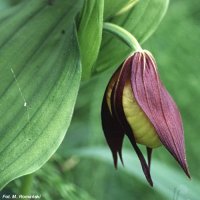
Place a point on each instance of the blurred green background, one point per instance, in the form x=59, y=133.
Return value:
x=77, y=172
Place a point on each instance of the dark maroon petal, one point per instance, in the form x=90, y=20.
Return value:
x=117, y=109
x=145, y=167
x=149, y=155
x=112, y=130
x=158, y=105
x=176, y=144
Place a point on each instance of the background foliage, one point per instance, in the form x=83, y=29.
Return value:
x=80, y=170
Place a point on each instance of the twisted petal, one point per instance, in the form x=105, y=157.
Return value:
x=158, y=105
x=112, y=130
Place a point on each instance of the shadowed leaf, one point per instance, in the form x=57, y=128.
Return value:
x=40, y=75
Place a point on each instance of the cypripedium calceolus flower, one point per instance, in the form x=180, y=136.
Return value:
x=136, y=104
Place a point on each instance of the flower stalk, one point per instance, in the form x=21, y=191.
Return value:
x=123, y=35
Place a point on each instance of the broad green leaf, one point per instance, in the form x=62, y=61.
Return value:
x=86, y=120
x=169, y=182
x=39, y=80
x=90, y=34
x=4, y=4
x=114, y=7
x=141, y=20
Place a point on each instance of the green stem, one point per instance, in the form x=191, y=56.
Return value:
x=123, y=35
x=27, y=182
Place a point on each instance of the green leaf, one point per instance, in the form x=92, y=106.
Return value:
x=40, y=77
x=114, y=7
x=90, y=34
x=141, y=20
x=169, y=182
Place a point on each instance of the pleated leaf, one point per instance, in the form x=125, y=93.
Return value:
x=39, y=80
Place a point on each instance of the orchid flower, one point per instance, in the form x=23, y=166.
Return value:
x=137, y=104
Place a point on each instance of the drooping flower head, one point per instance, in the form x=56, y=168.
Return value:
x=136, y=104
